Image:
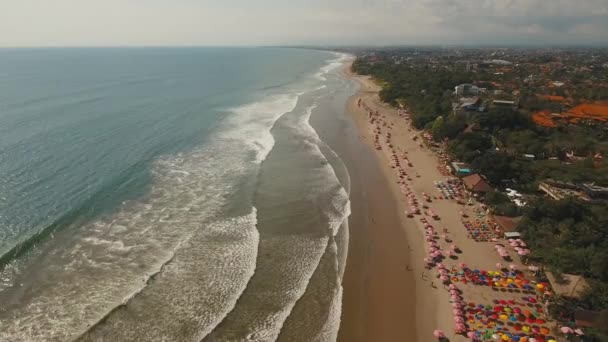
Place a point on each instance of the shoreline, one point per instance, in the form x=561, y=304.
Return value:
x=379, y=298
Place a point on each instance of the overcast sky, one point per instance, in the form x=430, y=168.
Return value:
x=266, y=22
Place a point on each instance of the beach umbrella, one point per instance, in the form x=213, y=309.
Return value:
x=512, y=267
x=439, y=334
x=499, y=266
x=579, y=332
x=453, y=287
x=457, y=312
x=444, y=278
x=463, y=265
x=566, y=330
x=544, y=331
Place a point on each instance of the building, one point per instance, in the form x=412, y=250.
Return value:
x=499, y=62
x=504, y=103
x=466, y=90
x=476, y=184
x=507, y=224
x=470, y=104
x=567, y=285
x=461, y=169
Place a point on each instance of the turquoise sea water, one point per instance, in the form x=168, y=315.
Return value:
x=164, y=194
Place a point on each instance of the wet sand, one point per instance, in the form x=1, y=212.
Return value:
x=379, y=291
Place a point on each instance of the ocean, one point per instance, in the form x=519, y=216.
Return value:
x=170, y=194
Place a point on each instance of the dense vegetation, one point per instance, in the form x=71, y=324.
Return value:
x=494, y=141
x=570, y=237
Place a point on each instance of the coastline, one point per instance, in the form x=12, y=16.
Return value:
x=385, y=298
x=404, y=247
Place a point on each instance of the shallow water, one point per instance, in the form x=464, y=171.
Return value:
x=168, y=194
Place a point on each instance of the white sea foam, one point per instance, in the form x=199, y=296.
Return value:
x=122, y=251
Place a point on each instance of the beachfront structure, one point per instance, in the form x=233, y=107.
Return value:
x=466, y=89
x=476, y=184
x=567, y=285
x=461, y=169
x=507, y=224
x=512, y=235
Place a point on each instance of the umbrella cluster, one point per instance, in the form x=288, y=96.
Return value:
x=449, y=190
x=500, y=279
x=480, y=230
x=507, y=322
x=434, y=254
x=519, y=246
x=458, y=307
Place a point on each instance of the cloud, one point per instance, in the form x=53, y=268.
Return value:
x=256, y=22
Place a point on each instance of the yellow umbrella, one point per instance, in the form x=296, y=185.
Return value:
x=504, y=317
x=525, y=328
x=540, y=286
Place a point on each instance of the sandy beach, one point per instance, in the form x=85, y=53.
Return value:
x=389, y=294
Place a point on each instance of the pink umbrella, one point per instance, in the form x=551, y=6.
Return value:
x=456, y=306
x=438, y=334
x=471, y=335
x=453, y=287
x=579, y=332
x=499, y=266
x=566, y=330
x=512, y=267
x=457, y=312
x=454, y=297
x=444, y=278
x=462, y=265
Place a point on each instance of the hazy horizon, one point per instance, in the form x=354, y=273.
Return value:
x=123, y=23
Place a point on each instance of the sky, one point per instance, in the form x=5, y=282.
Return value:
x=301, y=22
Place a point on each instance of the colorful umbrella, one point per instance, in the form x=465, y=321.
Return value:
x=439, y=334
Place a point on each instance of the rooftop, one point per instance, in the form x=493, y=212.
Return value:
x=476, y=183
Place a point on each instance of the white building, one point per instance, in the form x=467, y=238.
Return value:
x=466, y=89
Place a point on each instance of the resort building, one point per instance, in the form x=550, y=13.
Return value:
x=461, y=169
x=466, y=90
x=476, y=184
